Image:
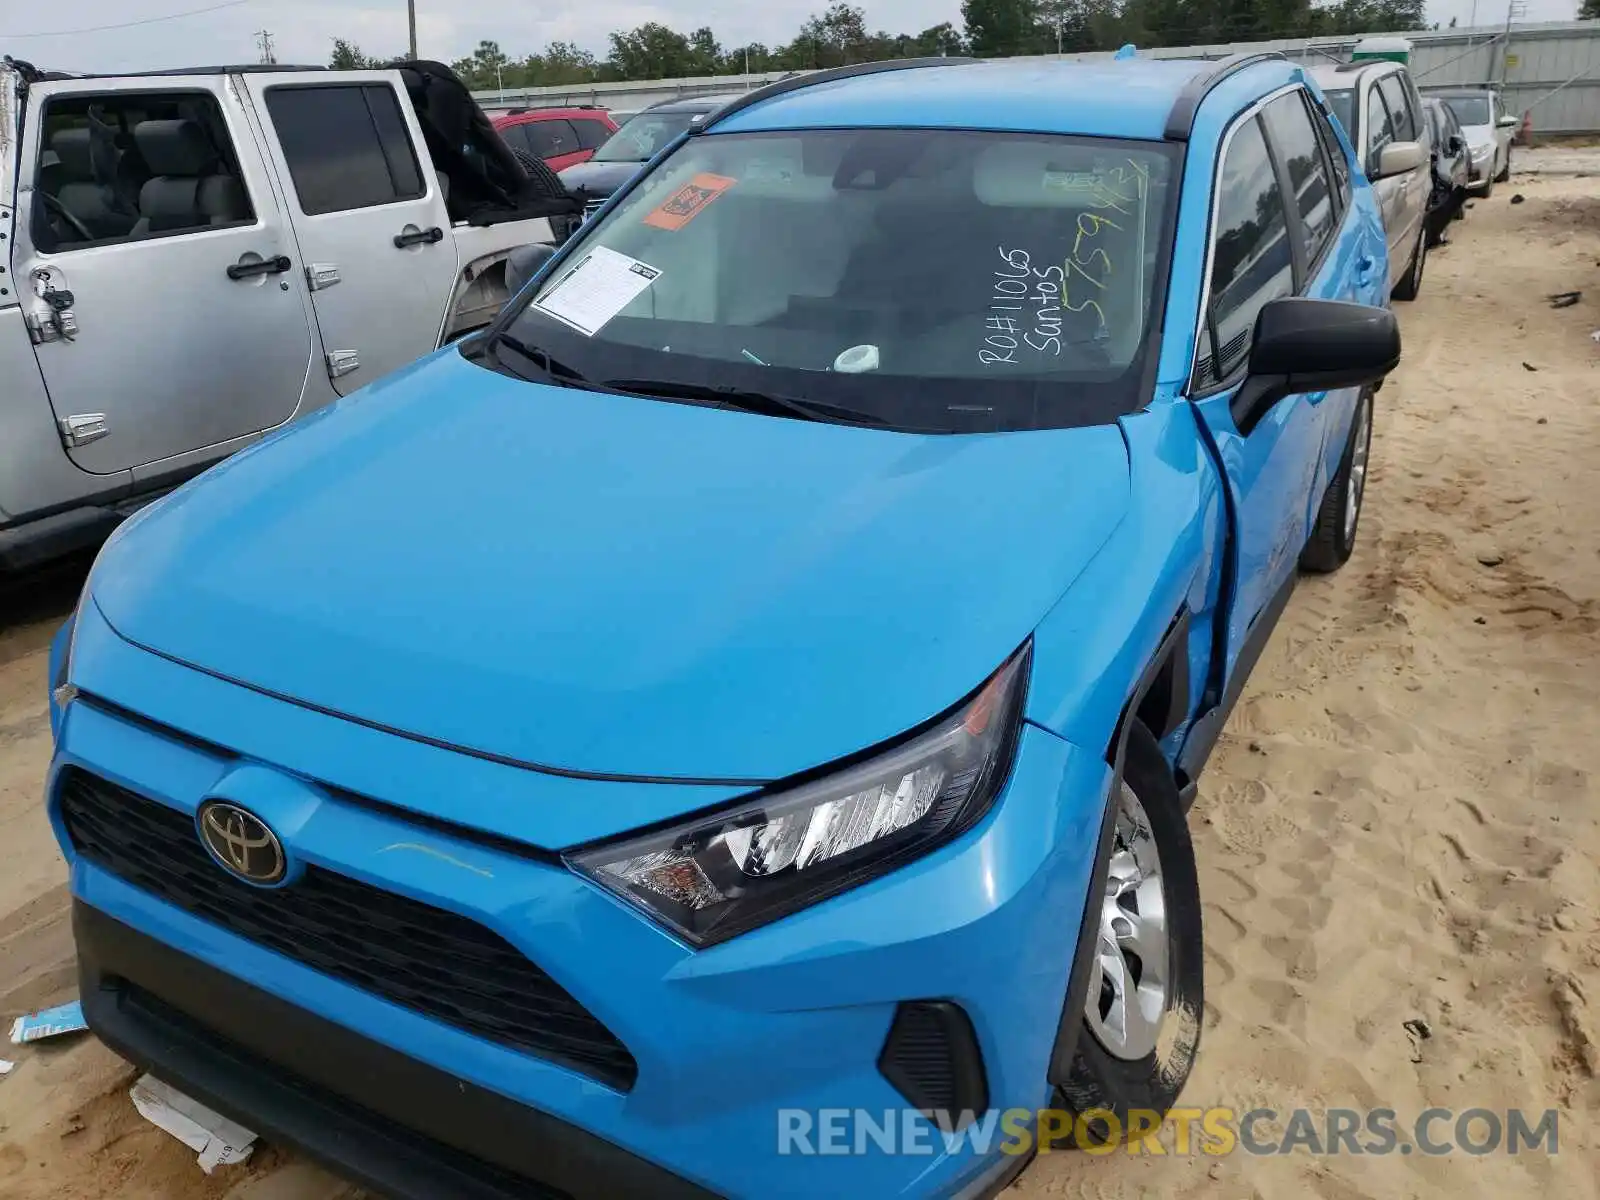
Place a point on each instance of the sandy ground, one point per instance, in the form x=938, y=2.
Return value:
x=1400, y=824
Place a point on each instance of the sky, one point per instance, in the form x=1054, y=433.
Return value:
x=303, y=30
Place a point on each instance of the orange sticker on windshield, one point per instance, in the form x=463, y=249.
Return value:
x=678, y=209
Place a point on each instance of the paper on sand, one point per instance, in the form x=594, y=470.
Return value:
x=597, y=289
x=51, y=1022
x=217, y=1140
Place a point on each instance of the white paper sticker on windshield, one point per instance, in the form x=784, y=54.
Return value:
x=601, y=285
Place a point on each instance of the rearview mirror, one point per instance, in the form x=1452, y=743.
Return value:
x=1397, y=158
x=1506, y=121
x=1306, y=345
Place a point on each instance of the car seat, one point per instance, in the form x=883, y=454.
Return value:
x=187, y=188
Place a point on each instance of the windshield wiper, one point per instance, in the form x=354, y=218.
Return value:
x=553, y=370
x=751, y=401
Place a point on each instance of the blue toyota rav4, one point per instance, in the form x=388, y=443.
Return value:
x=765, y=674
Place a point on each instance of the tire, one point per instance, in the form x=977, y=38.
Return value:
x=1146, y=1069
x=1488, y=190
x=1505, y=172
x=1408, y=287
x=1334, y=535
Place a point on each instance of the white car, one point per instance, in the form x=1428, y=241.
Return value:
x=1489, y=129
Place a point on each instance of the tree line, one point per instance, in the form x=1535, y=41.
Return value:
x=840, y=35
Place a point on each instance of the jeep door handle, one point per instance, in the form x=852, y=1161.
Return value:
x=267, y=266
x=418, y=237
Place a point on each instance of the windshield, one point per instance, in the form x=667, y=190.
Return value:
x=641, y=137
x=1469, y=110
x=1339, y=103
x=941, y=280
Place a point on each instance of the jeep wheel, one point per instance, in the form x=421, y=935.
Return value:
x=1142, y=1011
x=1334, y=536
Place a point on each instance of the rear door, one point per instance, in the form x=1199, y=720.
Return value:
x=157, y=270
x=1256, y=256
x=369, y=214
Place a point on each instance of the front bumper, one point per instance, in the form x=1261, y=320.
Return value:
x=792, y=1016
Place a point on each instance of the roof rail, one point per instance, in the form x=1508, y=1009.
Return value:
x=1180, y=121
x=793, y=83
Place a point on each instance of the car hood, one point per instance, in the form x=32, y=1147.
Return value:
x=608, y=584
x=597, y=180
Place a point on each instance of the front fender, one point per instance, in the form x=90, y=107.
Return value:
x=1092, y=648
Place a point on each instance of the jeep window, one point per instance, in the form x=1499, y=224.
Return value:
x=134, y=165
x=346, y=145
x=642, y=137
x=1469, y=110
x=1251, y=262
x=940, y=280
x=1342, y=104
x=1296, y=145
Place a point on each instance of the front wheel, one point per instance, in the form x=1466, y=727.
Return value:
x=1142, y=1010
x=1505, y=171
x=1334, y=535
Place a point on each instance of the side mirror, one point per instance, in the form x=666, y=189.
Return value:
x=1507, y=121
x=1457, y=143
x=523, y=263
x=1397, y=158
x=1306, y=345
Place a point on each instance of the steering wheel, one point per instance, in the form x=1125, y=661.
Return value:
x=67, y=215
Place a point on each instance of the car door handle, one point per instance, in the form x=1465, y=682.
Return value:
x=418, y=237
x=267, y=266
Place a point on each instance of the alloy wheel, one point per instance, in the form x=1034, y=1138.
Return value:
x=1358, y=468
x=1130, y=982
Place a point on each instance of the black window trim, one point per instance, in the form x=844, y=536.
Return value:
x=1196, y=388
x=38, y=217
x=1399, y=82
x=424, y=172
x=1326, y=126
x=1312, y=264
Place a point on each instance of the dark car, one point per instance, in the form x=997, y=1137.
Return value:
x=1452, y=169
x=634, y=144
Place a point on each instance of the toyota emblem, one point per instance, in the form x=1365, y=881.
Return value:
x=241, y=842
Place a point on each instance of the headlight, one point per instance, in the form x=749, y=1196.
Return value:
x=1479, y=153
x=710, y=878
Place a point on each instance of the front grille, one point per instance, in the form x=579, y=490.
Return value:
x=437, y=963
x=931, y=1055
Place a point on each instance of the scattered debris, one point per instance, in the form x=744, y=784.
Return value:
x=1528, y=366
x=217, y=1140
x=6, y=1065
x=1595, y=336
x=1490, y=559
x=1566, y=922
x=1542, y=421
x=74, y=1125
x=1418, y=1031
x=51, y=1022
x=1480, y=620
x=1565, y=299
x=1518, y=198
x=1255, y=748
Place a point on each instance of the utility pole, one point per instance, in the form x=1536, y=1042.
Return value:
x=264, y=44
x=411, y=21
x=1514, y=9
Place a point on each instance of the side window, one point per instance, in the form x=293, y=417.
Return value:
x=1330, y=143
x=1295, y=142
x=1400, y=111
x=1250, y=258
x=546, y=139
x=1380, y=130
x=134, y=165
x=516, y=136
x=591, y=134
x=346, y=145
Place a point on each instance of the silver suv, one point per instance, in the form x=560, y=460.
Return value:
x=1378, y=105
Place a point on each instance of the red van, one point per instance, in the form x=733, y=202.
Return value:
x=562, y=137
